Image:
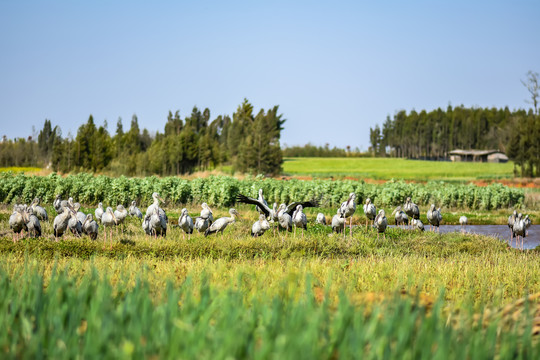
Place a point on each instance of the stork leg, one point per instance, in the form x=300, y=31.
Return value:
x=350, y=226
x=110, y=238
x=104, y=238
x=384, y=235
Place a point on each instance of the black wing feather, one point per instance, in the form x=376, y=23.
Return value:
x=247, y=200
x=305, y=204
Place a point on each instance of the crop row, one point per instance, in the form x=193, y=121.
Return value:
x=221, y=191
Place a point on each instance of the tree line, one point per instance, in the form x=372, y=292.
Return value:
x=433, y=134
x=248, y=141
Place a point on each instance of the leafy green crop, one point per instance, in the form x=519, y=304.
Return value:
x=221, y=191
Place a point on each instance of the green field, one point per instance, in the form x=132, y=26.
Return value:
x=389, y=168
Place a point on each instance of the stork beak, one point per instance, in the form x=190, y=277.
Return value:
x=114, y=217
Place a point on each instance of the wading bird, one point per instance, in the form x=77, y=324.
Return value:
x=121, y=214
x=134, y=210
x=370, y=210
x=99, y=212
x=511, y=221
x=80, y=215
x=32, y=223
x=185, y=223
x=338, y=223
x=347, y=209
x=158, y=223
x=90, y=227
x=74, y=225
x=57, y=204
x=260, y=226
x=381, y=223
x=201, y=224
x=321, y=219
x=17, y=223
x=434, y=217
x=400, y=217
x=463, y=222
x=220, y=224
x=60, y=224
x=155, y=205
x=284, y=219
x=108, y=220
x=206, y=213
x=299, y=219
x=40, y=212
x=146, y=224
x=262, y=201
x=418, y=224
x=411, y=209
x=519, y=229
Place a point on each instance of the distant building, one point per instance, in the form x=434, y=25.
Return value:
x=494, y=156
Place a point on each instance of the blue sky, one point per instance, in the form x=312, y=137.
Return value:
x=335, y=68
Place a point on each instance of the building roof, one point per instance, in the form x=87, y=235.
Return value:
x=473, y=152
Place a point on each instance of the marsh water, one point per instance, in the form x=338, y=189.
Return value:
x=501, y=232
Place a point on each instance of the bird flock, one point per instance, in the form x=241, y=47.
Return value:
x=288, y=218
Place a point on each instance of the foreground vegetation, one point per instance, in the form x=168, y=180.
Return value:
x=319, y=296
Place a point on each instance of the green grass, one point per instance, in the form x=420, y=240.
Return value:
x=388, y=168
x=16, y=169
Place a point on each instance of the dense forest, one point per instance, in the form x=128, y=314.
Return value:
x=431, y=135
x=249, y=142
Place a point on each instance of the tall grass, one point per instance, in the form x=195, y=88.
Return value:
x=89, y=318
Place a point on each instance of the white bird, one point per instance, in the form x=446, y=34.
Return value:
x=206, y=213
x=121, y=214
x=99, y=212
x=434, y=217
x=370, y=211
x=155, y=204
x=108, y=219
x=32, y=223
x=417, y=223
x=338, y=223
x=185, y=222
x=260, y=226
x=60, y=224
x=220, y=224
x=201, y=224
x=146, y=224
x=299, y=219
x=511, y=221
x=263, y=201
x=400, y=217
x=347, y=209
x=57, y=204
x=463, y=222
x=284, y=219
x=74, y=225
x=39, y=212
x=381, y=222
x=134, y=210
x=90, y=227
x=158, y=223
x=321, y=219
x=17, y=223
x=527, y=222
x=79, y=214
x=411, y=209
x=519, y=230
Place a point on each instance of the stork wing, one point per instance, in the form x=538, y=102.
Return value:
x=292, y=207
x=247, y=200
